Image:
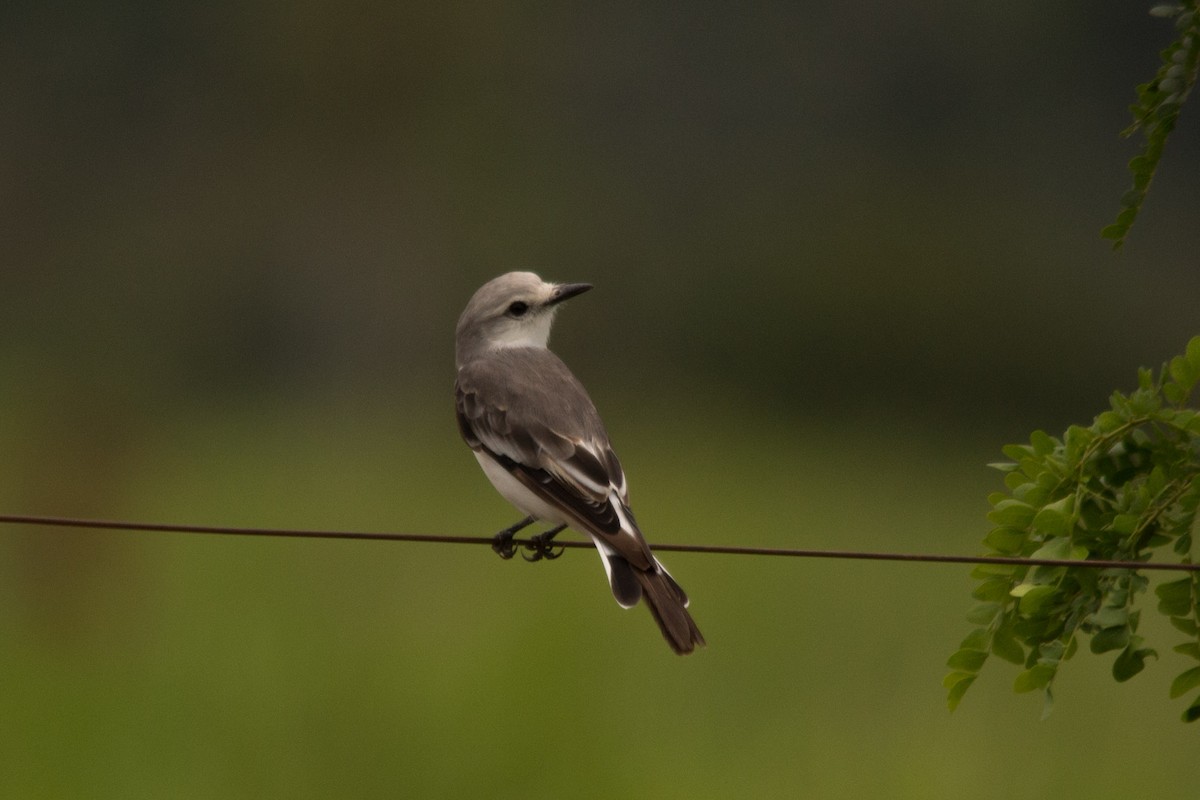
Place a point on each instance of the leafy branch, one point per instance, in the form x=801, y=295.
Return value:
x=1157, y=110
x=1124, y=487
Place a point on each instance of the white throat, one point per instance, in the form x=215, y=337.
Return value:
x=534, y=332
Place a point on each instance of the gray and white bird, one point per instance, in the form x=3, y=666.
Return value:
x=540, y=441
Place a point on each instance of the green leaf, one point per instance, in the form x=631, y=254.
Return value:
x=1056, y=547
x=1012, y=513
x=983, y=613
x=1156, y=481
x=1056, y=519
x=1076, y=439
x=1188, y=420
x=1155, y=113
x=976, y=640
x=954, y=677
x=1114, y=231
x=1006, y=647
x=1117, y=598
x=1129, y=663
x=1175, y=598
x=1132, y=197
x=1185, y=681
x=1155, y=540
x=958, y=689
x=1183, y=373
x=1051, y=652
x=1017, y=452
x=1110, y=617
x=1006, y=541
x=1110, y=639
x=1175, y=394
x=1036, y=677
x=1037, y=600
x=1033, y=630
x=1193, y=352
x=1036, y=491
x=967, y=660
x=1164, y=10
x=1180, y=417
x=1060, y=547
x=1187, y=648
x=992, y=590
x=1043, y=575
x=1042, y=442
x=1124, y=524
x=1186, y=624
x=1017, y=483
x=1192, y=712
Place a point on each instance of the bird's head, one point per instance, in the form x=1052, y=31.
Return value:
x=513, y=310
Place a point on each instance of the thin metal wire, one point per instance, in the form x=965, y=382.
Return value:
x=68, y=522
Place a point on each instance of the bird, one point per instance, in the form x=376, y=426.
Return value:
x=541, y=442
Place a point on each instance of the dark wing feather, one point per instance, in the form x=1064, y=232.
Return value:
x=547, y=433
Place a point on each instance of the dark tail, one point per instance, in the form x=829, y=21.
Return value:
x=668, y=605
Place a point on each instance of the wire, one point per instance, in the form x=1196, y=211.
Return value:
x=67, y=522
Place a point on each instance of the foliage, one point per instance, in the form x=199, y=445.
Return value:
x=1157, y=110
x=1123, y=488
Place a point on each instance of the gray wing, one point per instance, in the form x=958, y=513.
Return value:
x=524, y=408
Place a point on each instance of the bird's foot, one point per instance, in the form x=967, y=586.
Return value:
x=502, y=542
x=542, y=546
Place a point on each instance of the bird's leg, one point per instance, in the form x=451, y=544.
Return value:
x=502, y=542
x=541, y=546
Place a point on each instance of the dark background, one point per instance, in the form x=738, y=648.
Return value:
x=842, y=254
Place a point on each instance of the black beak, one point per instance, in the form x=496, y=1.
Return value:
x=566, y=291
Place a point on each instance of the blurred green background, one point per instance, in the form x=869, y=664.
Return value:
x=842, y=254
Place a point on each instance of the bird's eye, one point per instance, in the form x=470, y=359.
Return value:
x=518, y=309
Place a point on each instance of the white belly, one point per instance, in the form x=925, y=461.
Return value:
x=515, y=492
x=529, y=503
